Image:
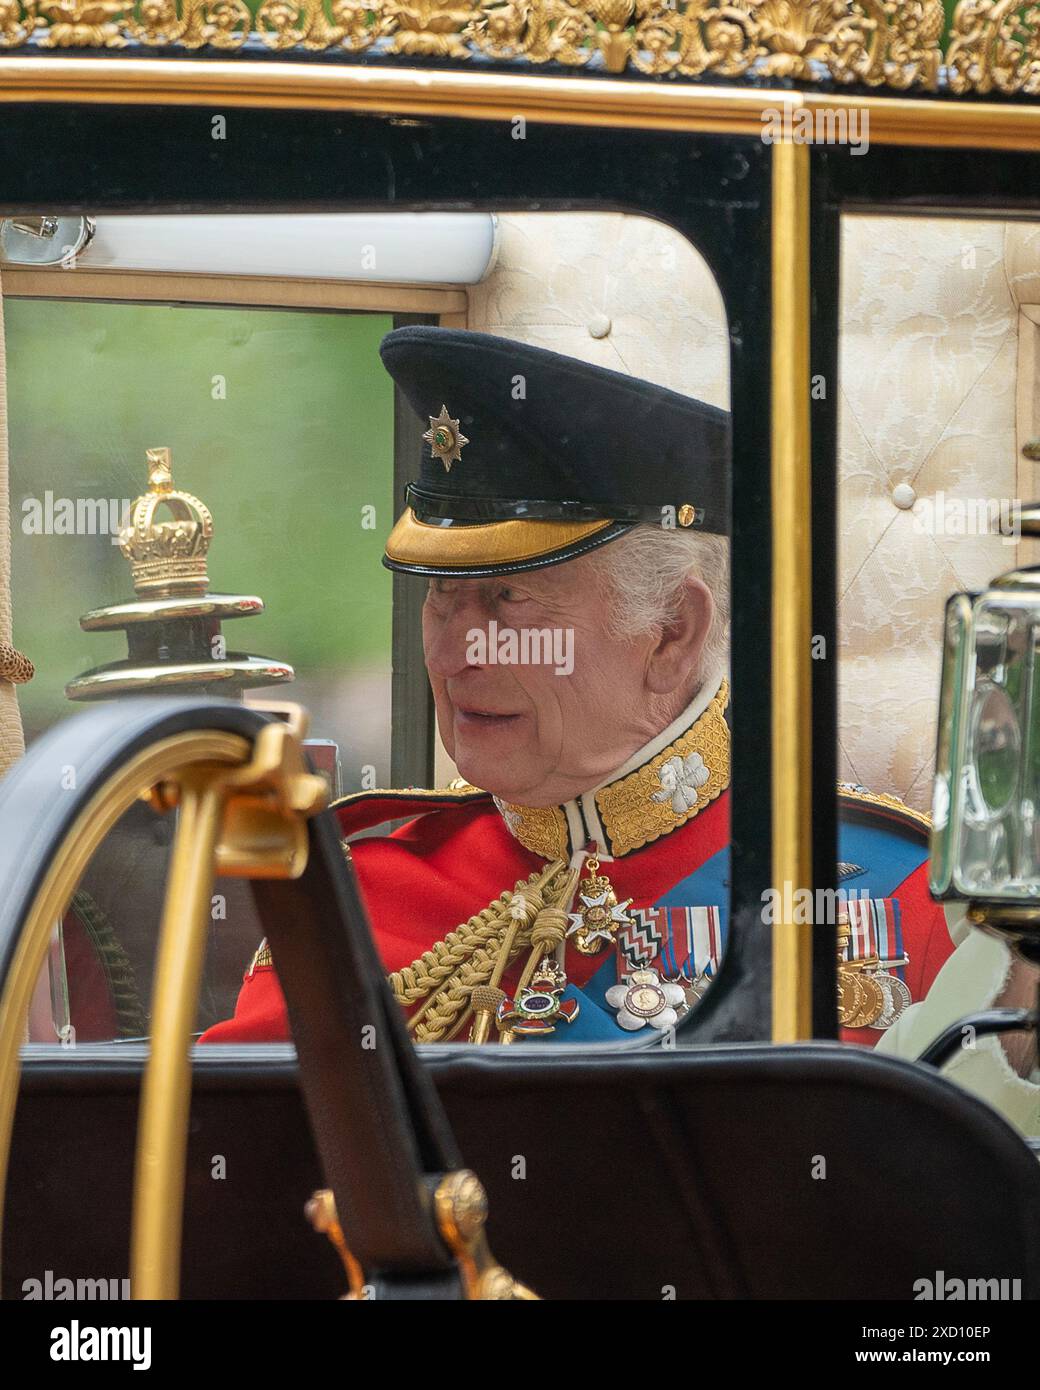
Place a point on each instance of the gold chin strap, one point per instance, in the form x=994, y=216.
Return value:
x=460, y=977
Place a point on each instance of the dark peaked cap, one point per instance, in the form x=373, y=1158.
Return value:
x=532, y=457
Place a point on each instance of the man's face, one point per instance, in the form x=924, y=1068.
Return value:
x=533, y=730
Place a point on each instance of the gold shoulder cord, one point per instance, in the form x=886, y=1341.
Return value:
x=461, y=975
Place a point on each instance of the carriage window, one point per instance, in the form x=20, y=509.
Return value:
x=938, y=432
x=546, y=649
x=223, y=389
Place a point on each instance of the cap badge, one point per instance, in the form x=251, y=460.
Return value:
x=445, y=439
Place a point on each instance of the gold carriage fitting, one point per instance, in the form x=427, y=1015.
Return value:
x=173, y=627
x=893, y=43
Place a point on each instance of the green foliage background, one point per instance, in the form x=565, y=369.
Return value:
x=286, y=463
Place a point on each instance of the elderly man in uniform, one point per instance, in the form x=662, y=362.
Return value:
x=571, y=522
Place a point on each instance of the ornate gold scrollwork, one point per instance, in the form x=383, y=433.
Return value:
x=914, y=48
x=286, y=24
x=161, y=24
x=872, y=41
x=994, y=45
x=83, y=23
x=539, y=31
x=351, y=25
x=429, y=28
x=224, y=24
x=18, y=19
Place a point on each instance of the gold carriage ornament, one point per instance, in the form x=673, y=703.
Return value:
x=898, y=44
x=173, y=627
x=167, y=557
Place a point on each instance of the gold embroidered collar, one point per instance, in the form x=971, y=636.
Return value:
x=662, y=787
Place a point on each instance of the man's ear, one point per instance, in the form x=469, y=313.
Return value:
x=676, y=657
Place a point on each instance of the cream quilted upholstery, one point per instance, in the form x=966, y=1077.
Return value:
x=931, y=320
x=562, y=278
x=938, y=391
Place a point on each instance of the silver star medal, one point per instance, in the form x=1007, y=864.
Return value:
x=599, y=913
x=594, y=925
x=645, y=998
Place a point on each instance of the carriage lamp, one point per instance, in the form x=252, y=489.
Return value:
x=986, y=807
x=415, y=248
x=36, y=240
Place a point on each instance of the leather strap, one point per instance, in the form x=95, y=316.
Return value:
x=377, y=1122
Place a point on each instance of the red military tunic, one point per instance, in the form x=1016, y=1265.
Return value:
x=463, y=849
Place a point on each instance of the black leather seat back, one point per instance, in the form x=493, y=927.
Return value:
x=816, y=1171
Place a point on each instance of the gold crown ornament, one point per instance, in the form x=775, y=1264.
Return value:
x=167, y=557
x=173, y=626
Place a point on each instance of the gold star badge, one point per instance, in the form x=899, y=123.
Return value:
x=445, y=439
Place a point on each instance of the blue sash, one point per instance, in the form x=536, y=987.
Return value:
x=882, y=858
x=707, y=886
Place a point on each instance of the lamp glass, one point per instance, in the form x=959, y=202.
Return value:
x=985, y=841
x=42, y=241
x=956, y=644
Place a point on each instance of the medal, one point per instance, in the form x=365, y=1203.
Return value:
x=850, y=996
x=861, y=1000
x=694, y=990
x=599, y=915
x=889, y=938
x=870, y=949
x=897, y=998
x=667, y=958
x=538, y=1007
x=872, y=1002
x=644, y=998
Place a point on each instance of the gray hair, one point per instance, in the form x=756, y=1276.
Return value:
x=645, y=571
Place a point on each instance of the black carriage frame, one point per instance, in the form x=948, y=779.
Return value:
x=713, y=188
